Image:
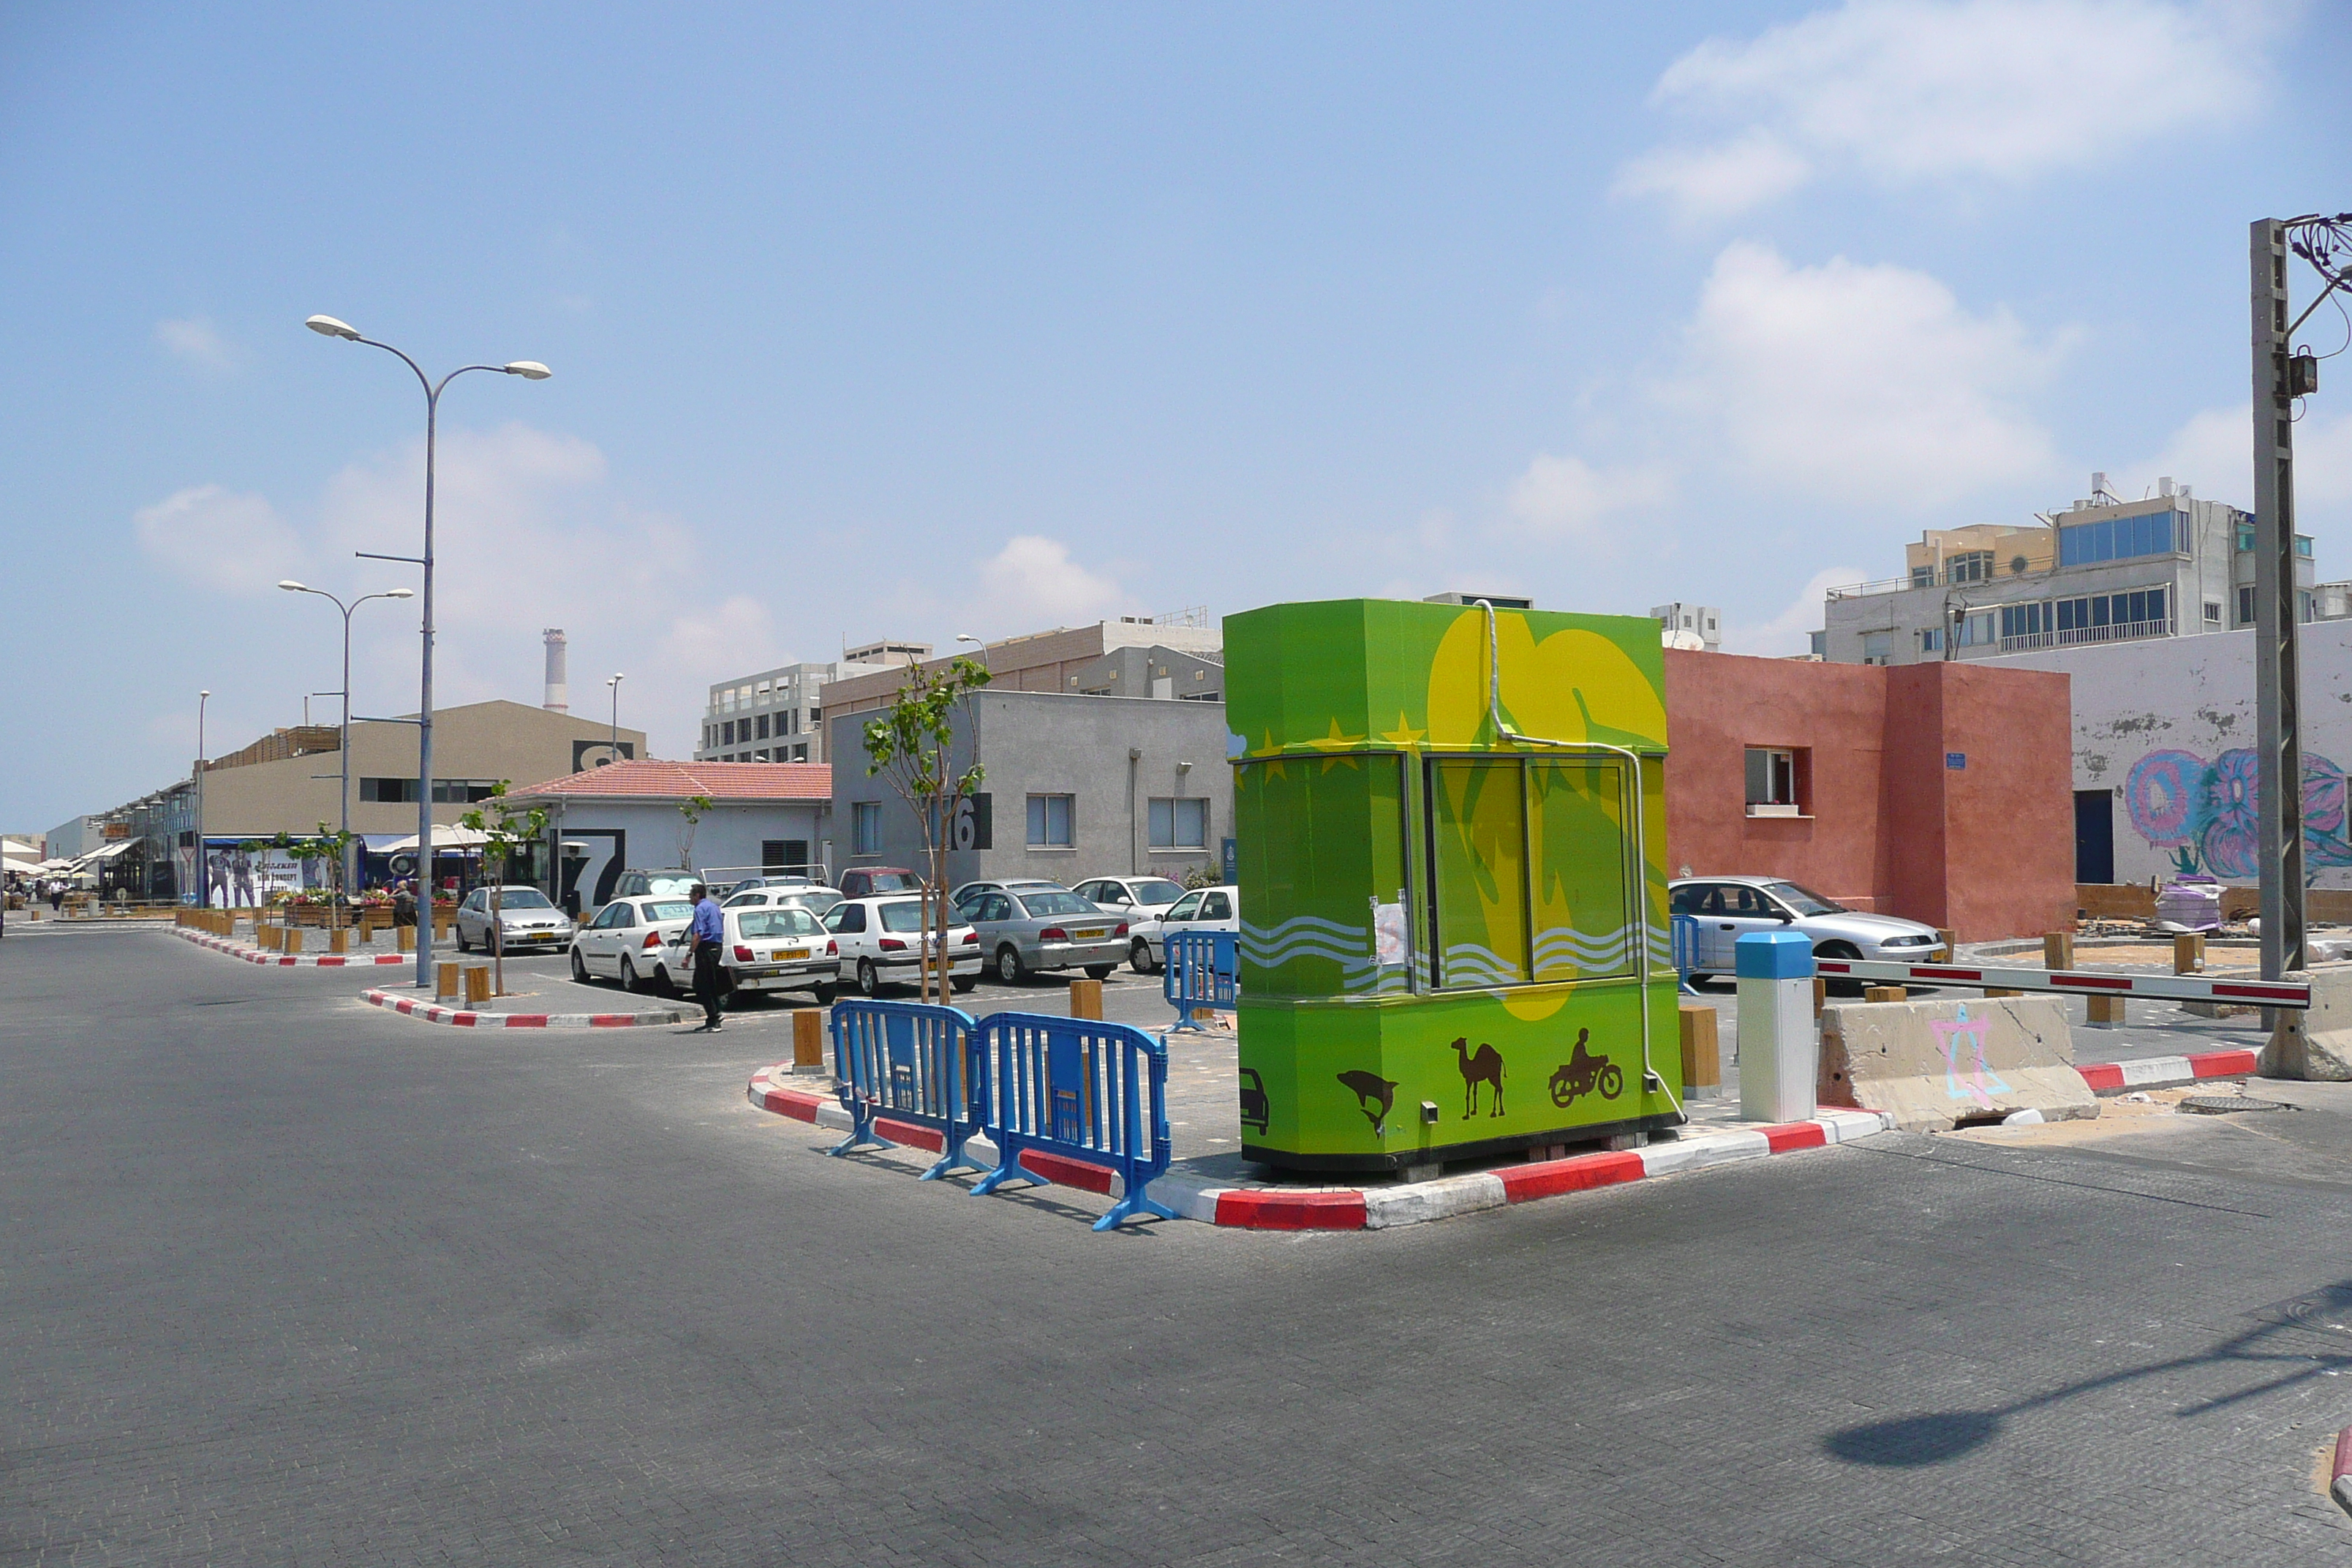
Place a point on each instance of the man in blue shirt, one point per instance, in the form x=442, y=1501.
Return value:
x=709, y=930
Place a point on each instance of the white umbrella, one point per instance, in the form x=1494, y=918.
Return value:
x=444, y=837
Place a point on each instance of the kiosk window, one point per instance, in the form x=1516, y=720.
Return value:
x=1583, y=924
x=1479, y=840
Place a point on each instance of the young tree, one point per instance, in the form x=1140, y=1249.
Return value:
x=692, y=809
x=907, y=746
x=509, y=832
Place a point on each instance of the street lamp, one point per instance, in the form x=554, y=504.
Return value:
x=344, y=746
x=530, y=370
x=204, y=888
x=615, y=743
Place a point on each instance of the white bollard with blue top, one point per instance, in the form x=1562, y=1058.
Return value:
x=1779, y=1058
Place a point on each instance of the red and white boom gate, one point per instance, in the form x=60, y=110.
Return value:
x=2076, y=982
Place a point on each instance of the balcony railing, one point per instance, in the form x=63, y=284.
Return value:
x=2119, y=631
x=1864, y=590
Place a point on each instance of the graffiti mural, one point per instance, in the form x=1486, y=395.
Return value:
x=2208, y=815
x=1972, y=1079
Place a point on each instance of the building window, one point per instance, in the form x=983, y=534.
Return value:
x=1922, y=576
x=1772, y=781
x=1179, y=822
x=2102, y=616
x=760, y=728
x=2246, y=606
x=2303, y=546
x=2245, y=538
x=1972, y=567
x=2034, y=620
x=727, y=733
x=389, y=791
x=1049, y=821
x=2212, y=612
x=2122, y=538
x=866, y=824
x=1932, y=640
x=1878, y=647
x=1976, y=629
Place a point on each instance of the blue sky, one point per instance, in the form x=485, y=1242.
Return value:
x=921, y=321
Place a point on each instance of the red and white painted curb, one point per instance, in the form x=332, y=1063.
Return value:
x=290, y=960
x=1376, y=1208
x=2339, y=1481
x=462, y=1018
x=2166, y=1072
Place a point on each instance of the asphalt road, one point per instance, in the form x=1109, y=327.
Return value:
x=286, y=1279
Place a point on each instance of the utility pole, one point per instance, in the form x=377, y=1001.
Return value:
x=2281, y=376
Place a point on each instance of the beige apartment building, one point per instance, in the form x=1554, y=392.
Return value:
x=1133, y=656
x=290, y=781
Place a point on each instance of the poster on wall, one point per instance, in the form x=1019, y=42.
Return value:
x=236, y=878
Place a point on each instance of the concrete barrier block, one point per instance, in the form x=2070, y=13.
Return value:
x=2315, y=1045
x=1933, y=1065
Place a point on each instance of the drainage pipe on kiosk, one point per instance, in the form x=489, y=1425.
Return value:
x=1650, y=1078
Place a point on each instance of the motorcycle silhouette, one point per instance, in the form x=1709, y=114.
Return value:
x=1583, y=1073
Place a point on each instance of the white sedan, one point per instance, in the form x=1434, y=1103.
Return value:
x=1206, y=909
x=779, y=949
x=630, y=941
x=876, y=940
x=1135, y=898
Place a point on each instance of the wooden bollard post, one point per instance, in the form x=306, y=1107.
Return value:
x=1885, y=994
x=808, y=1040
x=2188, y=953
x=1992, y=991
x=408, y=939
x=1086, y=999
x=2058, y=950
x=293, y=939
x=478, y=984
x=1951, y=942
x=445, y=981
x=1702, y=1057
x=2105, y=1011
x=339, y=940
x=1821, y=994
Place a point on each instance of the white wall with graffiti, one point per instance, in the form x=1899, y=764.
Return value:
x=2167, y=725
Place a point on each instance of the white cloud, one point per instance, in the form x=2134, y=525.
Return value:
x=2214, y=451
x=1852, y=382
x=1786, y=633
x=1032, y=581
x=1908, y=90
x=224, y=541
x=1567, y=498
x=198, y=342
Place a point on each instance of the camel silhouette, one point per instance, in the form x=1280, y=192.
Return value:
x=1487, y=1067
x=1369, y=1087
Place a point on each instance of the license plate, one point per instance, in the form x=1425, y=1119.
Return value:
x=1095, y=934
x=782, y=954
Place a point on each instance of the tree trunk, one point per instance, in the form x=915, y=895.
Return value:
x=499, y=935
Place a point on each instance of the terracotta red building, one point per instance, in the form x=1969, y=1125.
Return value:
x=1938, y=792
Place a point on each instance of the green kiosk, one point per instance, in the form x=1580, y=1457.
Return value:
x=1452, y=837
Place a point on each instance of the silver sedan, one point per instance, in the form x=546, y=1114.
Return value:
x=1026, y=929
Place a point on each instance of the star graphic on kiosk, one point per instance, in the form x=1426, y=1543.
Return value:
x=1335, y=741
x=1404, y=734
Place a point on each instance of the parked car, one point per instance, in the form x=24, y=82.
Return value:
x=798, y=895
x=1205, y=908
x=867, y=881
x=1030, y=927
x=530, y=921
x=987, y=886
x=1136, y=898
x=874, y=944
x=632, y=941
x=655, y=884
x=1725, y=907
x=777, y=949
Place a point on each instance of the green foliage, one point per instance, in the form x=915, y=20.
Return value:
x=908, y=745
x=693, y=809
x=509, y=832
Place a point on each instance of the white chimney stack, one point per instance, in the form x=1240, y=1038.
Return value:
x=559, y=695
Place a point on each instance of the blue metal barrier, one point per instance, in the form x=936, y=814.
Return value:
x=1081, y=1088
x=912, y=1062
x=1200, y=972
x=1685, y=951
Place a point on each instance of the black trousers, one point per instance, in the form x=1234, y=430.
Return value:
x=705, y=980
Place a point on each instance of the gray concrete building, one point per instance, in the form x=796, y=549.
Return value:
x=1077, y=787
x=2103, y=570
x=778, y=715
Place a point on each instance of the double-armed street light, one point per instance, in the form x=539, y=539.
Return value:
x=344, y=746
x=530, y=370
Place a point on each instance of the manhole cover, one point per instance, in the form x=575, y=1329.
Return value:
x=2223, y=1104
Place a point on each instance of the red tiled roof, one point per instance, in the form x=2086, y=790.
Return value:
x=651, y=780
